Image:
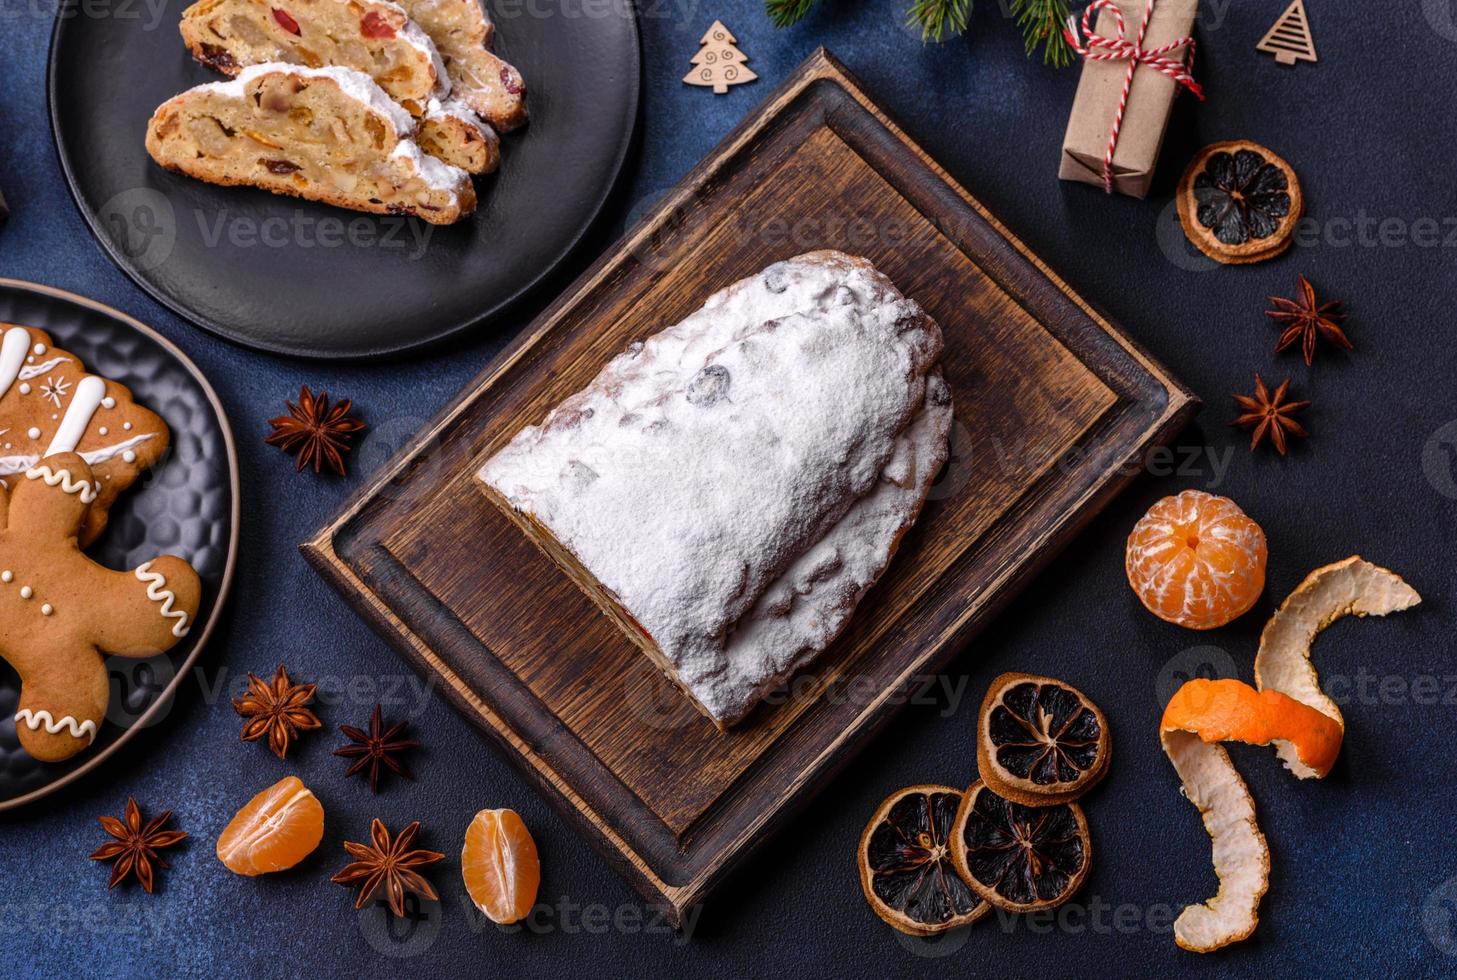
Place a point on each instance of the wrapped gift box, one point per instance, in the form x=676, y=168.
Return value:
x=1150, y=100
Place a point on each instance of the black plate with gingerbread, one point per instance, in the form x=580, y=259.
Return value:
x=116, y=454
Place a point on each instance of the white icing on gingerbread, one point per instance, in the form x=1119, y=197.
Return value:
x=157, y=591
x=85, y=490
x=84, y=404
x=12, y=356
x=35, y=719
x=11, y=465
x=36, y=370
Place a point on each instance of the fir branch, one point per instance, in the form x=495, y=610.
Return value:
x=1042, y=22
x=935, y=17
x=786, y=12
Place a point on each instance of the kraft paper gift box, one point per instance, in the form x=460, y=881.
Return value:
x=1150, y=100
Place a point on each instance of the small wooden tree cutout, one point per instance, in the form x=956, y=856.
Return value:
x=720, y=64
x=1289, y=40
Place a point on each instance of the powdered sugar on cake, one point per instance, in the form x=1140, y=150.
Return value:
x=355, y=84
x=739, y=480
x=438, y=174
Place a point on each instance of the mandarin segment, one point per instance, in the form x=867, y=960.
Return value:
x=500, y=866
x=275, y=830
x=1196, y=560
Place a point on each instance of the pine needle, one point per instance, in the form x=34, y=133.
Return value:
x=786, y=12
x=1042, y=22
x=936, y=17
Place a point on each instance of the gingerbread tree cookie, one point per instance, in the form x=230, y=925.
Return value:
x=60, y=612
x=49, y=404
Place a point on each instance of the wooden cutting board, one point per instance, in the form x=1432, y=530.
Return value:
x=1054, y=405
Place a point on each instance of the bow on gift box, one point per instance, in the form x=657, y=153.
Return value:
x=1097, y=47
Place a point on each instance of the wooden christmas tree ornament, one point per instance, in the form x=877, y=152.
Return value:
x=1289, y=40
x=719, y=63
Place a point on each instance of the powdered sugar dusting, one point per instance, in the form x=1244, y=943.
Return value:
x=355, y=84
x=458, y=110
x=439, y=175
x=739, y=480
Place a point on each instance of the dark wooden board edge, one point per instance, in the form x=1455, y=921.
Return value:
x=321, y=553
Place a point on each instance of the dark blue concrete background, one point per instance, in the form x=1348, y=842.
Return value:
x=1365, y=877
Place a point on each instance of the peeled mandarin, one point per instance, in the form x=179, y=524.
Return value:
x=1196, y=560
x=275, y=830
x=500, y=866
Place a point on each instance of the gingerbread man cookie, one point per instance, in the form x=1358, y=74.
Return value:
x=49, y=404
x=60, y=612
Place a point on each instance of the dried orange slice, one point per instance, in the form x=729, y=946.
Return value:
x=1239, y=202
x=905, y=863
x=1352, y=587
x=274, y=830
x=1020, y=858
x=1196, y=560
x=1040, y=741
x=500, y=865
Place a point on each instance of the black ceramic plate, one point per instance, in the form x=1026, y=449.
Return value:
x=300, y=278
x=187, y=506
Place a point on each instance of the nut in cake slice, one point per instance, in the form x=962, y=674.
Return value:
x=326, y=134
x=729, y=489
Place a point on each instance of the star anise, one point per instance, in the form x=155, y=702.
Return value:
x=388, y=864
x=135, y=848
x=1270, y=414
x=1307, y=321
x=277, y=709
x=318, y=432
x=377, y=748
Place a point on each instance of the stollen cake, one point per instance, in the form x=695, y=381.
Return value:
x=463, y=33
x=372, y=36
x=326, y=134
x=728, y=490
x=451, y=131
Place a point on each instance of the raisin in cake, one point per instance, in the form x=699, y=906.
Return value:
x=326, y=134
x=728, y=489
x=372, y=36
x=463, y=33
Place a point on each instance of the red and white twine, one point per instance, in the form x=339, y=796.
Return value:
x=1096, y=47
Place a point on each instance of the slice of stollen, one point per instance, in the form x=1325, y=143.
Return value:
x=453, y=132
x=463, y=33
x=326, y=134
x=372, y=36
